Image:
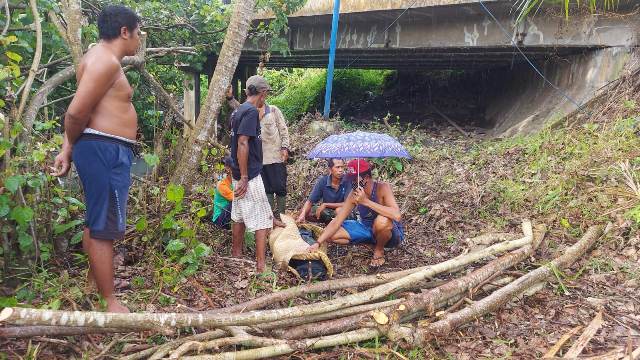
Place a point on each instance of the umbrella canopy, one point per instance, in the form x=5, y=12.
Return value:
x=359, y=144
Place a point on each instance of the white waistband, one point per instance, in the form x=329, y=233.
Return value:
x=97, y=132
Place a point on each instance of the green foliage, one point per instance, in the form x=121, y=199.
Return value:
x=152, y=160
x=299, y=91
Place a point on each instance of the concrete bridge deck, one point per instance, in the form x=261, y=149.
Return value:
x=439, y=34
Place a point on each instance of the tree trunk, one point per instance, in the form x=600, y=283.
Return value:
x=36, y=59
x=205, y=129
x=72, y=11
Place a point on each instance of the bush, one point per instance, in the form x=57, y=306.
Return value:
x=300, y=91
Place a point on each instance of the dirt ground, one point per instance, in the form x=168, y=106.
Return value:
x=436, y=219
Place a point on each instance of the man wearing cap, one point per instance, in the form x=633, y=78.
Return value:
x=250, y=208
x=379, y=225
x=275, y=150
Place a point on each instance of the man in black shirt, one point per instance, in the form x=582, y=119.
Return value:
x=250, y=208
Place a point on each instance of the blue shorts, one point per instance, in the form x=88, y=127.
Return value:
x=104, y=167
x=360, y=233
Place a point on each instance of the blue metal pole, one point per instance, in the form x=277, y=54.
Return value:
x=332, y=57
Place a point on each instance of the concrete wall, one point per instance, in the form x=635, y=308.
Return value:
x=523, y=103
x=325, y=7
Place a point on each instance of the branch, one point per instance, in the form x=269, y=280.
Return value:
x=354, y=310
x=164, y=95
x=8, y=15
x=50, y=64
x=428, y=301
x=243, y=340
x=36, y=59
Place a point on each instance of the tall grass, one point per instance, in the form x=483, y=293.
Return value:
x=526, y=7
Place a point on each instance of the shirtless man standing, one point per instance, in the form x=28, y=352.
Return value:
x=100, y=130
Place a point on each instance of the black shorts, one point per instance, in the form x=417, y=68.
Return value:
x=274, y=177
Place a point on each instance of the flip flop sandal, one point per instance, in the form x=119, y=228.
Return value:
x=377, y=259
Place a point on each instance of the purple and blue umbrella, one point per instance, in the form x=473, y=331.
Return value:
x=359, y=144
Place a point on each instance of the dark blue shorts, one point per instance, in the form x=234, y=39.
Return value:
x=360, y=233
x=224, y=219
x=104, y=167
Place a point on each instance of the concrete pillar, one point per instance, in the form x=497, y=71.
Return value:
x=244, y=75
x=196, y=91
x=189, y=102
x=234, y=84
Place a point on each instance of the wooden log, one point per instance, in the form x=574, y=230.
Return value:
x=330, y=315
x=24, y=316
x=293, y=346
x=339, y=284
x=421, y=335
x=31, y=331
x=428, y=300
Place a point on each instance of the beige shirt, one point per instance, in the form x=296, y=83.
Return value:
x=273, y=131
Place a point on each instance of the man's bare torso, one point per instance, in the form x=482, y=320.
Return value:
x=114, y=113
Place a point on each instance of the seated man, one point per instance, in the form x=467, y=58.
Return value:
x=379, y=225
x=222, y=198
x=330, y=190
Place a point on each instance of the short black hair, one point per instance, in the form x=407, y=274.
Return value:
x=365, y=174
x=113, y=17
x=252, y=90
x=331, y=162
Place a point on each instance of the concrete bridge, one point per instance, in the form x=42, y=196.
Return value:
x=580, y=54
x=438, y=34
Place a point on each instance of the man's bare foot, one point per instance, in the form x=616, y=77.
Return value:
x=378, y=259
x=114, y=306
